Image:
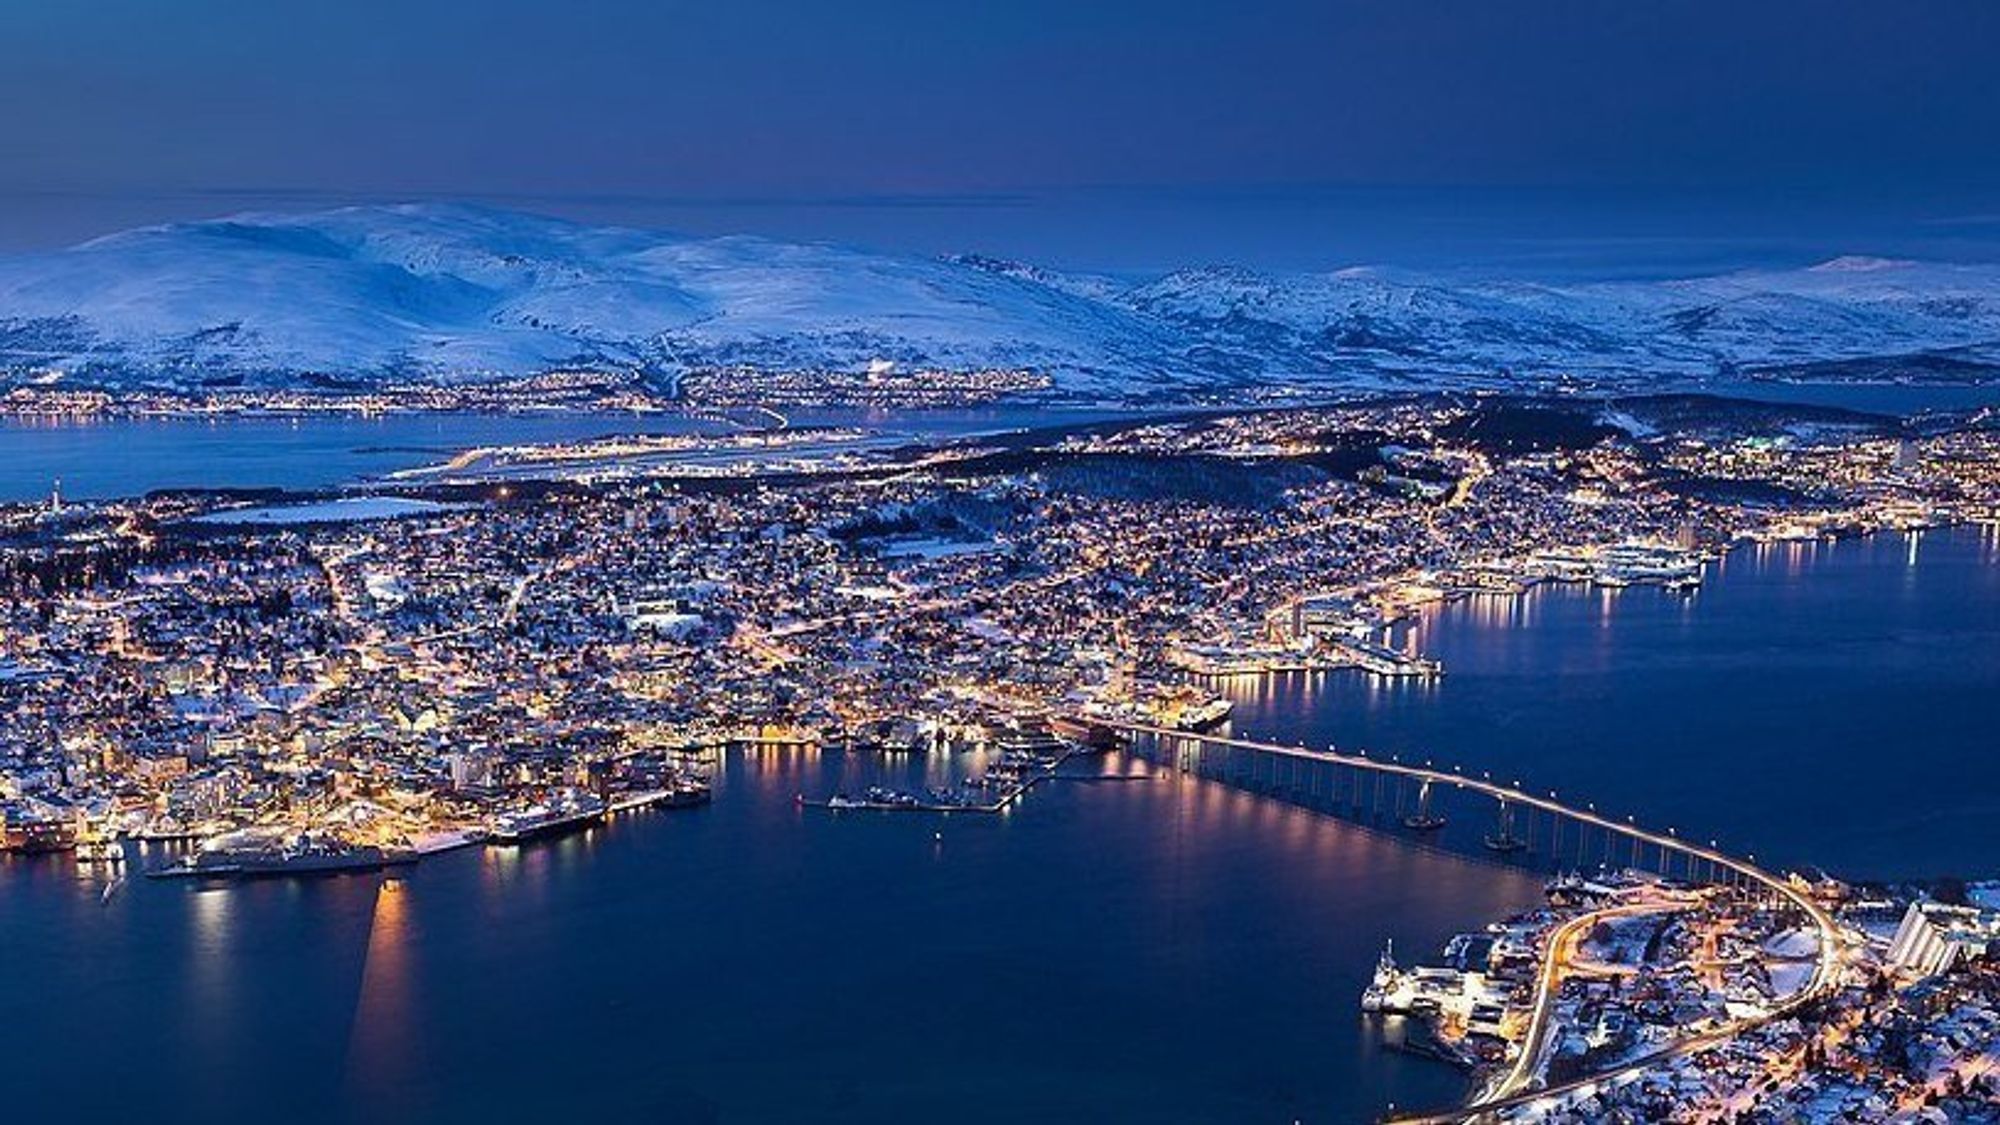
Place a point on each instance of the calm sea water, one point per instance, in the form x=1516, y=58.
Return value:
x=1154, y=950
x=1828, y=704
x=102, y=458
x=1886, y=398
x=98, y=459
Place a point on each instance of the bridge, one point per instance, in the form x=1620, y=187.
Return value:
x=1331, y=780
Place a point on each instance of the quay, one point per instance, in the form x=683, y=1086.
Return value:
x=1008, y=797
x=650, y=798
x=849, y=804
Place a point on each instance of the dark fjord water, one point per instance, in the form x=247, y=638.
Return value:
x=1814, y=703
x=104, y=458
x=1158, y=950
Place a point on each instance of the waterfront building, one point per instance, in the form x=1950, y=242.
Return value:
x=1933, y=937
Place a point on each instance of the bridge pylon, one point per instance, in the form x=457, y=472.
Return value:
x=1502, y=839
x=1423, y=820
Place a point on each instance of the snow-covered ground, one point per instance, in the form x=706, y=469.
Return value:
x=1787, y=977
x=347, y=509
x=454, y=293
x=926, y=548
x=1799, y=944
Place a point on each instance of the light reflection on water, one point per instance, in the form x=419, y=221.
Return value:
x=891, y=961
x=1805, y=702
x=211, y=993
x=383, y=1047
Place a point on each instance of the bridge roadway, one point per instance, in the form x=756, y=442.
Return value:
x=1825, y=973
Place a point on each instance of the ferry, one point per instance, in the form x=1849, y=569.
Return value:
x=1205, y=716
x=1087, y=733
x=38, y=837
x=687, y=795
x=1571, y=888
x=1376, y=997
x=301, y=854
x=566, y=812
x=100, y=849
x=683, y=794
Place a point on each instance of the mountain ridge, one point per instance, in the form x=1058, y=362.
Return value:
x=455, y=293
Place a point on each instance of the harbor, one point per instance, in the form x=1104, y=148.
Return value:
x=1019, y=764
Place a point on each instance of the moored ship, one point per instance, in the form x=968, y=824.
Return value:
x=565, y=812
x=681, y=794
x=39, y=837
x=1205, y=716
x=688, y=794
x=258, y=855
x=1088, y=733
x=1379, y=995
x=100, y=849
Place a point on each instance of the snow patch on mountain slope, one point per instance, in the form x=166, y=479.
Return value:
x=464, y=293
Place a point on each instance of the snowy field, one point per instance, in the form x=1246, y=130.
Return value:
x=349, y=509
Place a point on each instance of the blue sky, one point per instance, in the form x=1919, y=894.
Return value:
x=1113, y=133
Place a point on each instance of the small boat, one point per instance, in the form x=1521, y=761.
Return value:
x=1376, y=997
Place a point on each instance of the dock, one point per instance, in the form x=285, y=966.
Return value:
x=1009, y=794
x=652, y=798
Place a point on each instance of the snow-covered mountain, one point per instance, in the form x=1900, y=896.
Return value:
x=454, y=293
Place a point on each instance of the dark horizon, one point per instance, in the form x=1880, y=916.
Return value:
x=1540, y=233
x=1538, y=137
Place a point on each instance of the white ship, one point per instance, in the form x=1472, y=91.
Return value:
x=1375, y=997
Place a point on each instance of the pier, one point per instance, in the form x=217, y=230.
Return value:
x=1009, y=793
x=1525, y=825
